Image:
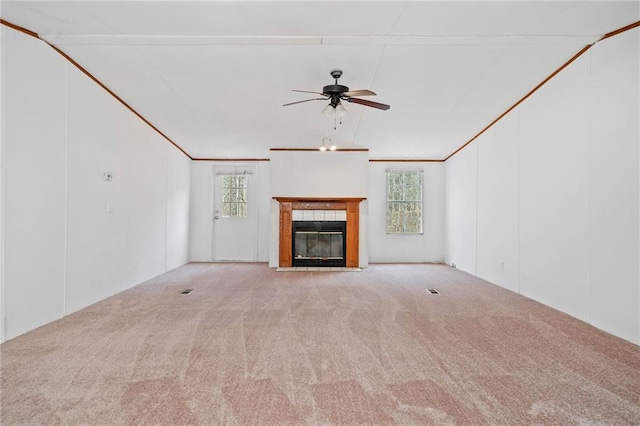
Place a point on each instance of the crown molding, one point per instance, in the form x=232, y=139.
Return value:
x=98, y=82
x=553, y=74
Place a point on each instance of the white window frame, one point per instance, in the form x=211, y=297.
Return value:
x=404, y=201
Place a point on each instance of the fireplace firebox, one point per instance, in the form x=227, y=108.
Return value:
x=319, y=243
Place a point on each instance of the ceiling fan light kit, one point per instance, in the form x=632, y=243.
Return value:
x=328, y=111
x=327, y=143
x=335, y=93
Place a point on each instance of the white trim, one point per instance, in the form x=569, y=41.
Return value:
x=166, y=205
x=397, y=40
x=233, y=168
x=66, y=193
x=415, y=171
x=3, y=299
x=409, y=169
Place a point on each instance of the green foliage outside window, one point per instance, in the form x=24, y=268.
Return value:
x=234, y=196
x=404, y=202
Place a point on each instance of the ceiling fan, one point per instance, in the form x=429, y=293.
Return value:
x=335, y=93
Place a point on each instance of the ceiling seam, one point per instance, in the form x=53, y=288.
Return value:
x=477, y=83
x=373, y=80
x=178, y=98
x=375, y=74
x=106, y=24
x=395, y=21
x=535, y=89
x=95, y=80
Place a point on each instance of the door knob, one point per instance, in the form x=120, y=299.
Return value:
x=215, y=217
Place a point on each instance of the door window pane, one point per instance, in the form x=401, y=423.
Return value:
x=234, y=196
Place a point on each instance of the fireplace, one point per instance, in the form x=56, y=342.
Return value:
x=319, y=243
x=346, y=208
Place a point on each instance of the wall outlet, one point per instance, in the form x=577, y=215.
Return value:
x=134, y=264
x=501, y=265
x=107, y=176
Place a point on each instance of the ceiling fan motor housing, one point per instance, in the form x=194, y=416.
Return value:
x=334, y=91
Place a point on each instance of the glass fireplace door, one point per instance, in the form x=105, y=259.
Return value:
x=319, y=243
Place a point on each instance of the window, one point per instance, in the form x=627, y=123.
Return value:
x=404, y=202
x=234, y=195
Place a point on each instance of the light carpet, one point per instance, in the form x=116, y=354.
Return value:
x=250, y=345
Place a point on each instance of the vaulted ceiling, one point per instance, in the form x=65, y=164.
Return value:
x=213, y=76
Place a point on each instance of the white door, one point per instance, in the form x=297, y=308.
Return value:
x=235, y=215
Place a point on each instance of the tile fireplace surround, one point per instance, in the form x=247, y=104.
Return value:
x=289, y=204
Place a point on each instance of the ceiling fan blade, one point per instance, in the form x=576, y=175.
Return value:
x=308, y=91
x=360, y=93
x=369, y=103
x=306, y=100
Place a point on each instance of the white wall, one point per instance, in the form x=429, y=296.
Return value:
x=613, y=180
x=428, y=247
x=556, y=192
x=201, y=211
x=97, y=240
x=553, y=192
x=34, y=145
x=2, y=195
x=497, y=205
x=338, y=174
x=319, y=174
x=178, y=203
x=461, y=209
x=72, y=238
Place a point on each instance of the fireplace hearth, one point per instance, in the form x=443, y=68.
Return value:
x=319, y=243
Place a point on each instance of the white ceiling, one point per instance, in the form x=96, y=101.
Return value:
x=213, y=75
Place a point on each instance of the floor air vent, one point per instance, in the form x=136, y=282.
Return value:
x=433, y=291
x=187, y=291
